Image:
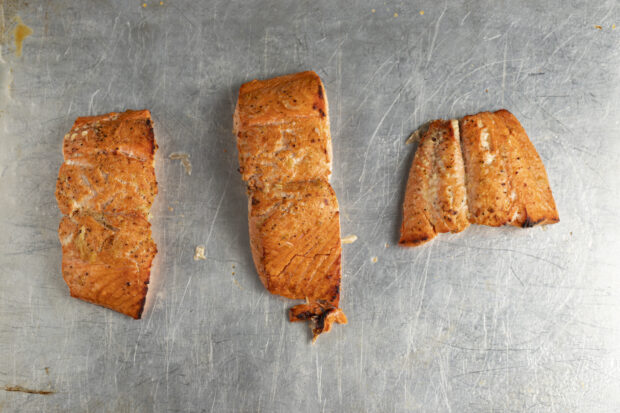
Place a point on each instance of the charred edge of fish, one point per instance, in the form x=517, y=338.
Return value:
x=320, y=92
x=306, y=315
x=319, y=322
x=528, y=223
x=143, y=301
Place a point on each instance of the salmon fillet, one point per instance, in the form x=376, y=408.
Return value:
x=435, y=198
x=506, y=179
x=285, y=155
x=105, y=189
x=489, y=174
x=295, y=240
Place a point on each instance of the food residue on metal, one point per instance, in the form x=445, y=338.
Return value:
x=374, y=260
x=421, y=12
x=26, y=390
x=184, y=158
x=598, y=26
x=199, y=254
x=170, y=209
x=395, y=14
x=373, y=10
x=613, y=27
x=20, y=33
x=387, y=245
x=349, y=239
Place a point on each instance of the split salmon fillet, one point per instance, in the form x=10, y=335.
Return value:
x=105, y=189
x=285, y=156
x=506, y=179
x=435, y=198
x=485, y=171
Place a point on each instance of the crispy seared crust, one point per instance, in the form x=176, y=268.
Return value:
x=506, y=179
x=282, y=130
x=493, y=177
x=129, y=133
x=280, y=100
x=110, y=183
x=435, y=199
x=105, y=188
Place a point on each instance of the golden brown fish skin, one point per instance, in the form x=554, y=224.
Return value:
x=506, y=179
x=105, y=189
x=285, y=154
x=435, y=198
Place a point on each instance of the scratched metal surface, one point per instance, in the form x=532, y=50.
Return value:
x=487, y=320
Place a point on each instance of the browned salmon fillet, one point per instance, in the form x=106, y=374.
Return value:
x=490, y=175
x=282, y=130
x=435, y=198
x=506, y=179
x=105, y=189
x=107, y=259
x=295, y=240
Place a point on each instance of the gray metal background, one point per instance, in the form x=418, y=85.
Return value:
x=486, y=320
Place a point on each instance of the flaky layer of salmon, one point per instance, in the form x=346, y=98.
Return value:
x=488, y=174
x=506, y=179
x=321, y=315
x=435, y=198
x=282, y=130
x=105, y=189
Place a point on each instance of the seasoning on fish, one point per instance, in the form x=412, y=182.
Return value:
x=105, y=189
x=285, y=155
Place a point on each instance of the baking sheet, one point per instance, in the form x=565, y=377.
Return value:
x=487, y=320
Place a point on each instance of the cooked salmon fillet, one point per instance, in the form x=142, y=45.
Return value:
x=489, y=174
x=295, y=240
x=285, y=155
x=105, y=189
x=107, y=259
x=435, y=198
x=506, y=179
